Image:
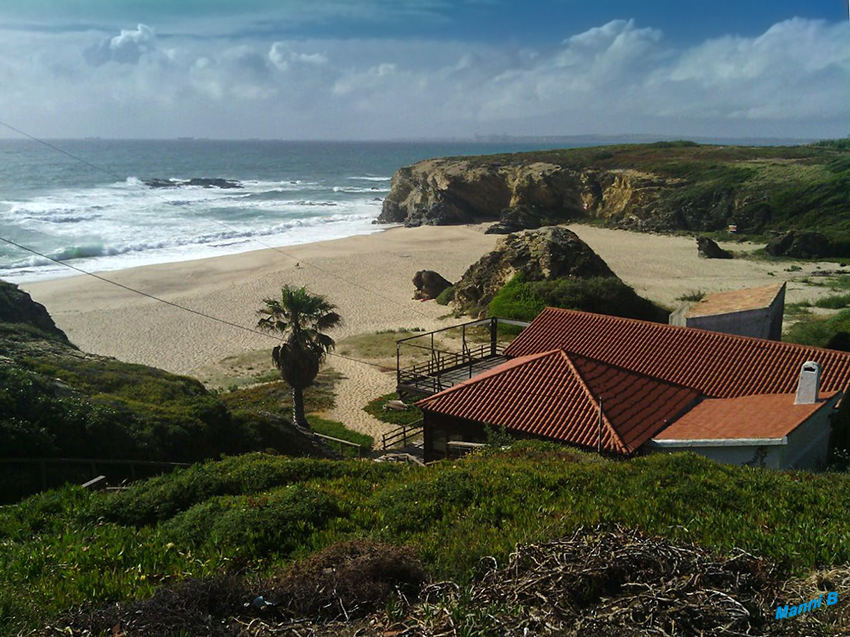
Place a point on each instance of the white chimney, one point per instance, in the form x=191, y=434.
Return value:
x=808, y=388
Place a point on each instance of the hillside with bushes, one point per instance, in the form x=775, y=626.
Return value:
x=665, y=186
x=59, y=402
x=205, y=544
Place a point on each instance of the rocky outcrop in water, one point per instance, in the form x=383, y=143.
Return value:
x=204, y=182
x=538, y=255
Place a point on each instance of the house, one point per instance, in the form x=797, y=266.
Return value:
x=756, y=312
x=626, y=387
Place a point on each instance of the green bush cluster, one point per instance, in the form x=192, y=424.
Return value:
x=394, y=417
x=254, y=513
x=524, y=300
x=446, y=296
x=832, y=332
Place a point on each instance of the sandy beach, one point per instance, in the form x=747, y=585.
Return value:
x=367, y=277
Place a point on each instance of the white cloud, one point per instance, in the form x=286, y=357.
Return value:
x=619, y=77
x=126, y=48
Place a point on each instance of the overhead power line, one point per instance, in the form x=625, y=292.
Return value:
x=113, y=175
x=171, y=303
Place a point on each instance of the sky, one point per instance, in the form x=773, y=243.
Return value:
x=403, y=69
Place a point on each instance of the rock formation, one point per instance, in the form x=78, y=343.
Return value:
x=548, y=253
x=18, y=308
x=520, y=195
x=804, y=245
x=708, y=249
x=204, y=182
x=429, y=284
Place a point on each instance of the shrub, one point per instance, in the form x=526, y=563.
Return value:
x=516, y=300
x=255, y=526
x=832, y=333
x=523, y=300
x=446, y=296
x=376, y=409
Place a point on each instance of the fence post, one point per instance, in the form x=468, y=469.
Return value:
x=493, y=330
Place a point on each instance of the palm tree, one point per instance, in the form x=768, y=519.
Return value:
x=300, y=318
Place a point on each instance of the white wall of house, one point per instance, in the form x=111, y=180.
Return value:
x=807, y=447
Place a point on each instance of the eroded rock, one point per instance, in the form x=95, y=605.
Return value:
x=429, y=284
x=549, y=253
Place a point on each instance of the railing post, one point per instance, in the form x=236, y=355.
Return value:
x=493, y=330
x=398, y=364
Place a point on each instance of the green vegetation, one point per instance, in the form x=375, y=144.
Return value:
x=255, y=513
x=832, y=332
x=376, y=346
x=524, y=300
x=445, y=297
x=834, y=301
x=693, y=296
x=338, y=430
x=394, y=417
x=58, y=402
x=776, y=188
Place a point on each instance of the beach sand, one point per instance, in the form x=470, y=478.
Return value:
x=367, y=277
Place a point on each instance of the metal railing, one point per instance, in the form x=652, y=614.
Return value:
x=343, y=443
x=402, y=435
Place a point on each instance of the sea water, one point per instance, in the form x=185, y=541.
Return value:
x=94, y=211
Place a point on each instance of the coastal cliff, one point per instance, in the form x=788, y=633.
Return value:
x=650, y=187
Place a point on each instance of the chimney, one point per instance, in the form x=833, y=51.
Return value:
x=808, y=387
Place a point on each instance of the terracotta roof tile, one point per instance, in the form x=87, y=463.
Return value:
x=716, y=365
x=555, y=395
x=764, y=416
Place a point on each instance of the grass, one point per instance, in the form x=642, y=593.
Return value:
x=255, y=513
x=338, y=430
x=376, y=346
x=376, y=408
x=834, y=301
x=832, y=332
x=693, y=296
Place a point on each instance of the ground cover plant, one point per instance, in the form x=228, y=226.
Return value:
x=392, y=416
x=255, y=513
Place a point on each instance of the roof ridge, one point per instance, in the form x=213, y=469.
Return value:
x=677, y=328
x=633, y=372
x=595, y=400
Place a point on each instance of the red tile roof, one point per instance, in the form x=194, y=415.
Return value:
x=765, y=416
x=717, y=365
x=555, y=395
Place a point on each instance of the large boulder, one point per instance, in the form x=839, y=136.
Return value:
x=708, y=249
x=805, y=245
x=549, y=253
x=18, y=309
x=429, y=284
x=516, y=219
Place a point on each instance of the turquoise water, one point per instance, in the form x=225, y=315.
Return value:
x=104, y=217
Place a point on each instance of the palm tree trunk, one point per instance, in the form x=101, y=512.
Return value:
x=298, y=415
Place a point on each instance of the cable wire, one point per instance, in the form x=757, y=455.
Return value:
x=171, y=303
x=222, y=224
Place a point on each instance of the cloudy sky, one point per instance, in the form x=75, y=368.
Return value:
x=383, y=69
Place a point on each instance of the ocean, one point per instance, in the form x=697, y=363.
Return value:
x=99, y=215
